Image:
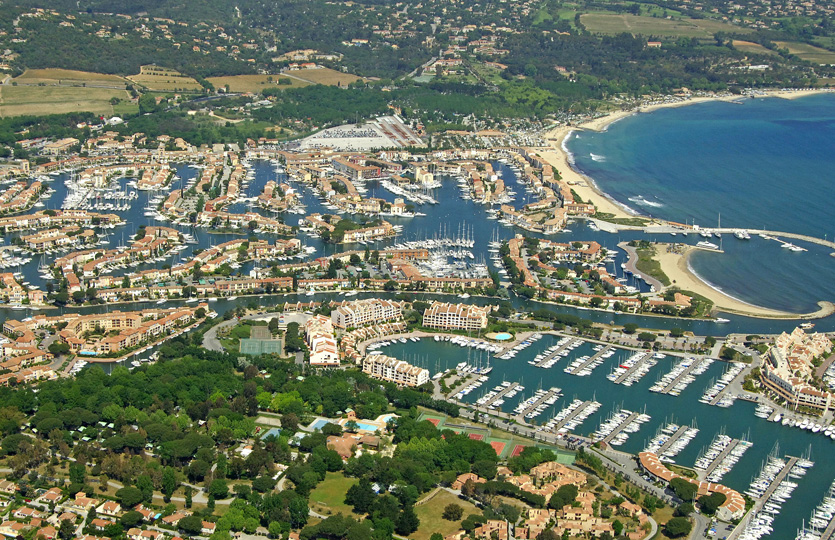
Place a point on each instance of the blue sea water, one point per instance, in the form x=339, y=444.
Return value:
x=760, y=163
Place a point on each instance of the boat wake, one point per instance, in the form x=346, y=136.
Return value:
x=598, y=158
x=644, y=202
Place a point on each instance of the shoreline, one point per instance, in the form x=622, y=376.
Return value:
x=681, y=274
x=560, y=158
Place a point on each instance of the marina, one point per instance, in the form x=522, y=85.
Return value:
x=720, y=457
x=671, y=440
x=682, y=374
x=771, y=489
x=719, y=394
x=633, y=369
x=552, y=354
x=536, y=404
x=617, y=428
x=496, y=397
x=572, y=416
x=583, y=366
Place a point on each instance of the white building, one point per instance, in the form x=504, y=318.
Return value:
x=362, y=312
x=393, y=370
x=455, y=316
x=318, y=333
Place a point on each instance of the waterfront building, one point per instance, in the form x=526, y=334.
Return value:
x=455, y=316
x=393, y=370
x=318, y=333
x=362, y=312
x=788, y=369
x=732, y=508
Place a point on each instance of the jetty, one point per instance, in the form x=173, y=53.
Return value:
x=542, y=400
x=615, y=432
x=696, y=363
x=591, y=360
x=554, y=354
x=772, y=487
x=634, y=369
x=721, y=457
x=829, y=532
x=578, y=412
x=673, y=439
x=501, y=394
x=468, y=379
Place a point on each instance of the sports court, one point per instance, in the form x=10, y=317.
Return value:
x=505, y=448
x=260, y=346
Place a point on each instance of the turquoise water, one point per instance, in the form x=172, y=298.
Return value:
x=503, y=336
x=760, y=163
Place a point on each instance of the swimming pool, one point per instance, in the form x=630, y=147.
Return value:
x=504, y=336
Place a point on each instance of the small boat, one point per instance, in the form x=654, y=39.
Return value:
x=720, y=320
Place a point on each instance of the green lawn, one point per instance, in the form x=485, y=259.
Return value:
x=430, y=512
x=329, y=496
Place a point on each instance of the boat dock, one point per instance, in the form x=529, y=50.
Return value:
x=591, y=360
x=634, y=369
x=554, y=354
x=672, y=440
x=504, y=391
x=758, y=503
x=772, y=487
x=574, y=414
x=718, y=397
x=829, y=532
x=721, y=457
x=541, y=401
x=696, y=363
x=615, y=432
x=468, y=379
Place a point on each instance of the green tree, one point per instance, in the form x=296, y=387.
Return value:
x=452, y=512
x=169, y=482
x=677, y=527
x=407, y=521
x=219, y=489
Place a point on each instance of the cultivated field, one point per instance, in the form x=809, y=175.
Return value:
x=751, y=48
x=610, y=23
x=324, y=76
x=68, y=77
x=160, y=79
x=808, y=52
x=41, y=100
x=254, y=83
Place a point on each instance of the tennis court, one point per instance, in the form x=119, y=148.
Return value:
x=260, y=346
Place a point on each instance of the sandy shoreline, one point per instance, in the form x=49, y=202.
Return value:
x=675, y=265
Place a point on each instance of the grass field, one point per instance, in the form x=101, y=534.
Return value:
x=751, y=47
x=67, y=77
x=808, y=52
x=40, y=100
x=254, y=83
x=610, y=23
x=161, y=79
x=325, y=76
x=329, y=496
x=430, y=513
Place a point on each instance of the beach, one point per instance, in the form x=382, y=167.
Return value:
x=675, y=265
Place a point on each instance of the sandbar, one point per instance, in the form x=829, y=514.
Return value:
x=675, y=265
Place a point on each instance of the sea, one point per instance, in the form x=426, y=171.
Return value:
x=762, y=163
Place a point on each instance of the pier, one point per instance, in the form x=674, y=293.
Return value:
x=829, y=532
x=623, y=376
x=468, y=379
x=696, y=363
x=554, y=354
x=502, y=393
x=772, y=487
x=577, y=412
x=591, y=360
x=615, y=432
x=673, y=439
x=722, y=455
x=532, y=407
